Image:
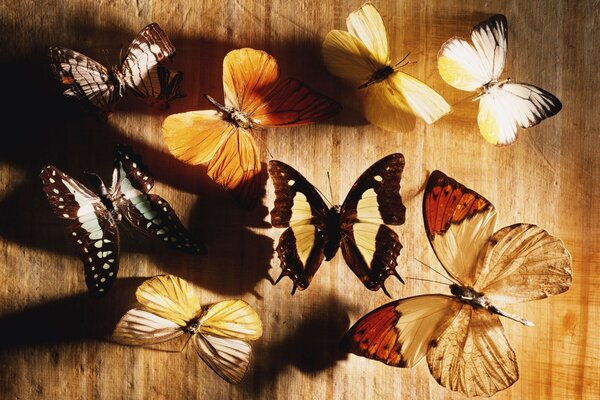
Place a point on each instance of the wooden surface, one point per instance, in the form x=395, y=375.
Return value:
x=54, y=335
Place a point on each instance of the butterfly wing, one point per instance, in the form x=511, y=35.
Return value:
x=469, y=67
x=91, y=230
x=399, y=333
x=458, y=222
x=170, y=298
x=366, y=25
x=471, y=354
x=505, y=106
x=298, y=207
x=347, y=57
x=170, y=87
x=148, y=213
x=523, y=262
x=141, y=68
x=369, y=247
x=221, y=338
x=251, y=84
x=84, y=79
x=393, y=103
x=142, y=328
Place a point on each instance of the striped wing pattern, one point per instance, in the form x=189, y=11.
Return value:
x=91, y=230
x=141, y=72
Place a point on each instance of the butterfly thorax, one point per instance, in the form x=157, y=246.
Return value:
x=493, y=85
x=236, y=117
x=117, y=79
x=378, y=76
x=105, y=196
x=471, y=296
x=192, y=326
x=334, y=233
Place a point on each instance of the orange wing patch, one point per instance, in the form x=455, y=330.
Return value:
x=254, y=98
x=448, y=202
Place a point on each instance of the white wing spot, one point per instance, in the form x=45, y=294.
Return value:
x=291, y=182
x=134, y=165
x=102, y=279
x=111, y=273
x=66, y=216
x=55, y=190
x=61, y=206
x=79, y=241
x=95, y=276
x=74, y=233
x=98, y=244
x=378, y=178
x=138, y=173
x=51, y=180
x=106, y=266
x=61, y=199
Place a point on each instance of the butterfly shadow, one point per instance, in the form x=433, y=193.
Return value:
x=311, y=347
x=75, y=318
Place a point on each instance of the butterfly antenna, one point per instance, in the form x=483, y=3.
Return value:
x=324, y=196
x=401, y=61
x=427, y=280
x=330, y=188
x=186, y=343
x=436, y=271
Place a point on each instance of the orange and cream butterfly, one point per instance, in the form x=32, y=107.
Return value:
x=461, y=335
x=255, y=97
x=141, y=72
x=502, y=104
x=170, y=308
x=391, y=98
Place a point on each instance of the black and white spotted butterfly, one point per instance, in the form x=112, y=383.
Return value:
x=141, y=73
x=93, y=215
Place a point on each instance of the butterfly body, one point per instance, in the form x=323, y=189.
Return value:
x=238, y=118
x=315, y=231
x=379, y=76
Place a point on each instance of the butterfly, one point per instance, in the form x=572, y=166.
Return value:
x=141, y=73
x=316, y=231
x=391, y=98
x=255, y=97
x=170, y=308
x=461, y=335
x=502, y=104
x=93, y=215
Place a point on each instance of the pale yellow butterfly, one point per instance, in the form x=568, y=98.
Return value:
x=391, y=99
x=170, y=307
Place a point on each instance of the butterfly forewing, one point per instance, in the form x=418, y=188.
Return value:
x=523, y=262
x=91, y=230
x=141, y=61
x=366, y=25
x=458, y=223
x=84, y=79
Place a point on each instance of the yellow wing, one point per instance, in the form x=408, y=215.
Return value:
x=142, y=328
x=472, y=355
x=232, y=319
x=393, y=103
x=194, y=137
x=169, y=297
x=366, y=24
x=347, y=57
x=523, y=262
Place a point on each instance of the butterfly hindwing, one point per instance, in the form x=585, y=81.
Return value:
x=472, y=355
x=369, y=247
x=142, y=328
x=91, y=230
x=299, y=207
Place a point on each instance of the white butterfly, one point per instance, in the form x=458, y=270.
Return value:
x=477, y=67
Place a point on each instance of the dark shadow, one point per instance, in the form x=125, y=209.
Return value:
x=312, y=347
x=77, y=318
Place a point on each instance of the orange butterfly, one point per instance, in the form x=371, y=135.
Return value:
x=255, y=97
x=461, y=335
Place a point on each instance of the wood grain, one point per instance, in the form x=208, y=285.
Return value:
x=54, y=335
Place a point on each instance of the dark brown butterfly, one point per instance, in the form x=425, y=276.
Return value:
x=140, y=73
x=316, y=231
x=93, y=215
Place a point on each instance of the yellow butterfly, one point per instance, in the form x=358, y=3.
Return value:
x=170, y=308
x=391, y=99
x=502, y=104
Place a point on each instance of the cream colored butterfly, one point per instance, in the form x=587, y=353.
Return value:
x=502, y=104
x=391, y=99
x=171, y=308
